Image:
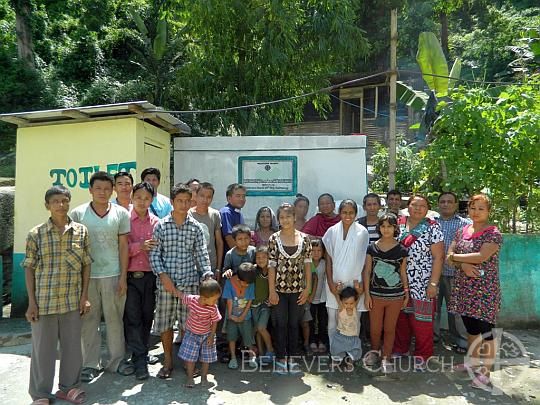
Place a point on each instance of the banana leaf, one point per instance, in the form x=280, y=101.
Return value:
x=430, y=58
x=411, y=97
x=160, y=41
x=455, y=74
x=138, y=21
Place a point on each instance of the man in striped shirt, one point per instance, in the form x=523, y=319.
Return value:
x=450, y=222
x=371, y=204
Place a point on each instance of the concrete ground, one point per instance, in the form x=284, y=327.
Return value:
x=516, y=381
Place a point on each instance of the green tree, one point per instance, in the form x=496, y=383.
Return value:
x=408, y=171
x=490, y=142
x=245, y=52
x=485, y=46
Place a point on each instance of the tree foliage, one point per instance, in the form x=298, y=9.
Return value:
x=484, y=46
x=408, y=167
x=246, y=52
x=489, y=140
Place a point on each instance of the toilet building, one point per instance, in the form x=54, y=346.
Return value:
x=64, y=147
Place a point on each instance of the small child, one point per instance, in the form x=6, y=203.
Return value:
x=243, y=252
x=307, y=318
x=319, y=325
x=239, y=292
x=346, y=341
x=260, y=307
x=199, y=342
x=387, y=290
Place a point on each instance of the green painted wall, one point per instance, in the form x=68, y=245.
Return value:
x=520, y=281
x=19, y=298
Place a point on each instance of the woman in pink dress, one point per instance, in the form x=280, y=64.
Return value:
x=477, y=292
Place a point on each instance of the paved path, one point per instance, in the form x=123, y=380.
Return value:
x=516, y=384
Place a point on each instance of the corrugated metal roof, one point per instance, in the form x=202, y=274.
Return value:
x=142, y=110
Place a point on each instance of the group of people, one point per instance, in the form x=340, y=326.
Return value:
x=149, y=263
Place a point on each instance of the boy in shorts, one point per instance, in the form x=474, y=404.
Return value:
x=199, y=342
x=239, y=292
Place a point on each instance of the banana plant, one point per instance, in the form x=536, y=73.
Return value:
x=434, y=67
x=151, y=57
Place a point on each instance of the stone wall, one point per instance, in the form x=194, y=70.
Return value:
x=7, y=196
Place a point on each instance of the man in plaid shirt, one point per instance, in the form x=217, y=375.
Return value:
x=450, y=222
x=57, y=272
x=180, y=260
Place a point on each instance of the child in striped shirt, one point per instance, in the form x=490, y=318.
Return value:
x=199, y=342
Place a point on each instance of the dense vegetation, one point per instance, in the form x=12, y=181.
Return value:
x=193, y=55
x=186, y=55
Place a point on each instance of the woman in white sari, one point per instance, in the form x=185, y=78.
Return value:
x=346, y=244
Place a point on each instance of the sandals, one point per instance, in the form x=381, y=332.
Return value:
x=280, y=367
x=41, y=401
x=481, y=382
x=88, y=374
x=142, y=373
x=460, y=350
x=164, y=373
x=463, y=368
x=126, y=368
x=74, y=395
x=233, y=364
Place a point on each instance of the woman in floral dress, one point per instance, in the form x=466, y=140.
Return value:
x=423, y=239
x=477, y=292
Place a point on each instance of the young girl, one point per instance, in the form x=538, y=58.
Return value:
x=319, y=340
x=265, y=226
x=289, y=283
x=199, y=342
x=387, y=290
x=346, y=341
x=260, y=309
x=307, y=318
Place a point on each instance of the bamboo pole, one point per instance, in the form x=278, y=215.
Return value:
x=393, y=104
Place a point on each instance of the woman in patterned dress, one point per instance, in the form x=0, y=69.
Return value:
x=477, y=292
x=289, y=283
x=424, y=240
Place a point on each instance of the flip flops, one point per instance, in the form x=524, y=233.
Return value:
x=74, y=395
